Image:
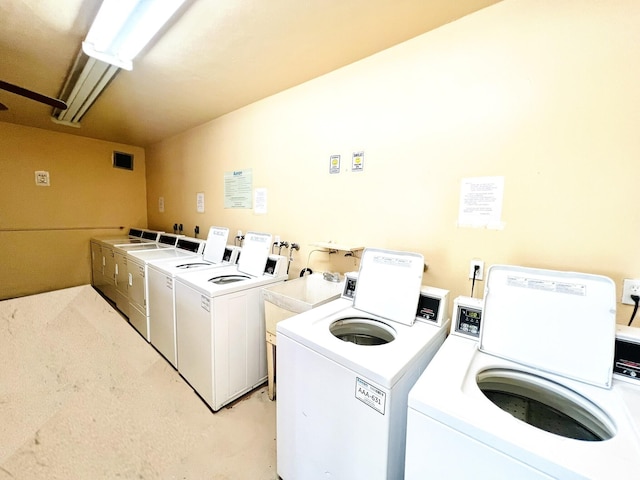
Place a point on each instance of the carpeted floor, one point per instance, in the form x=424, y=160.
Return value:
x=84, y=396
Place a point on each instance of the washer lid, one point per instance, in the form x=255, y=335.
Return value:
x=255, y=252
x=216, y=243
x=559, y=322
x=389, y=284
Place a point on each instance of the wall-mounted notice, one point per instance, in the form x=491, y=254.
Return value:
x=42, y=178
x=238, y=188
x=481, y=202
x=200, y=202
x=260, y=201
x=357, y=162
x=161, y=204
x=334, y=164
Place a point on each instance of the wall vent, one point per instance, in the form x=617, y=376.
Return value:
x=123, y=160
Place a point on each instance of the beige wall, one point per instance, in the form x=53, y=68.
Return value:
x=544, y=93
x=45, y=231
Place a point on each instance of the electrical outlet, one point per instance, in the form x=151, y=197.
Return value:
x=479, y=272
x=630, y=287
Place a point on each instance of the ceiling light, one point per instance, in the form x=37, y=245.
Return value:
x=121, y=29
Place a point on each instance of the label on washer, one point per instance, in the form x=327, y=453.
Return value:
x=169, y=283
x=205, y=303
x=547, y=285
x=370, y=395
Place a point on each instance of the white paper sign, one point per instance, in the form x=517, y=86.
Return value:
x=260, y=201
x=481, y=202
x=200, y=202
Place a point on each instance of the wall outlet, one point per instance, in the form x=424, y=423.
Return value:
x=630, y=287
x=480, y=272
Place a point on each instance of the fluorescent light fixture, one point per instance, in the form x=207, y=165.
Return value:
x=123, y=28
x=84, y=84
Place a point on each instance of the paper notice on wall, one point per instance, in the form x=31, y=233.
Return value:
x=238, y=188
x=260, y=201
x=481, y=202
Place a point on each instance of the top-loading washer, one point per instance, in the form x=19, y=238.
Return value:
x=117, y=263
x=220, y=325
x=104, y=253
x=138, y=274
x=161, y=292
x=344, y=372
x=532, y=397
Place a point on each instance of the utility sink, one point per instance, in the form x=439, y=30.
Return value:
x=303, y=293
x=286, y=299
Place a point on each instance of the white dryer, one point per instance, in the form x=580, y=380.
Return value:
x=98, y=260
x=220, y=324
x=532, y=398
x=344, y=372
x=138, y=275
x=161, y=292
x=118, y=264
x=106, y=278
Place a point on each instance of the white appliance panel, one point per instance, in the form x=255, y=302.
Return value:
x=572, y=314
x=309, y=386
x=162, y=334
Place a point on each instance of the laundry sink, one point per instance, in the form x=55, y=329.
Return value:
x=286, y=299
x=303, y=293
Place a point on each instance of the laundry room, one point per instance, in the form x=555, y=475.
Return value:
x=489, y=133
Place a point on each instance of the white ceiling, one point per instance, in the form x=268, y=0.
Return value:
x=215, y=57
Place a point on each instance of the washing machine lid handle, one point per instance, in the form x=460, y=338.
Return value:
x=559, y=322
x=389, y=284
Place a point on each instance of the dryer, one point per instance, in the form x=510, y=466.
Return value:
x=118, y=264
x=106, y=278
x=344, y=372
x=532, y=397
x=161, y=292
x=138, y=273
x=220, y=325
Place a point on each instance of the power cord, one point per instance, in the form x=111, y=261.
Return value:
x=473, y=281
x=636, y=301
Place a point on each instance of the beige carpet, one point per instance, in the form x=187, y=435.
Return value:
x=83, y=396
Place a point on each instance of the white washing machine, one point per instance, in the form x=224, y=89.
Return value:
x=532, y=398
x=118, y=264
x=161, y=294
x=103, y=252
x=344, y=373
x=138, y=274
x=220, y=324
x=626, y=371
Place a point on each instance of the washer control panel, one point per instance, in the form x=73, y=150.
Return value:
x=350, y=281
x=432, y=305
x=626, y=360
x=467, y=320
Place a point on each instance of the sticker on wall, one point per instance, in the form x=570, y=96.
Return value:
x=161, y=204
x=371, y=395
x=238, y=188
x=260, y=201
x=357, y=162
x=334, y=164
x=200, y=202
x=481, y=202
x=42, y=178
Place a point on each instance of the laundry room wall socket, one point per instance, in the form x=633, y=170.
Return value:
x=472, y=266
x=630, y=287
